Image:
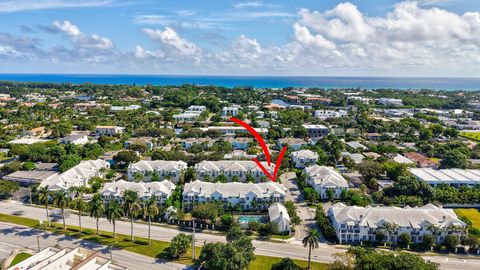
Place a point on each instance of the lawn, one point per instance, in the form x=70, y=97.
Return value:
x=140, y=246
x=471, y=135
x=471, y=214
x=19, y=258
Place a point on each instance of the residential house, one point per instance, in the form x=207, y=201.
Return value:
x=420, y=160
x=292, y=143
x=108, y=130
x=354, y=224
x=323, y=179
x=304, y=158
x=232, y=169
x=161, y=169
x=77, y=139
x=356, y=145
x=239, y=143
x=324, y=114
x=230, y=110
x=246, y=196
x=390, y=101
x=278, y=215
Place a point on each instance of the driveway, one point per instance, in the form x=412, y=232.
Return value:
x=306, y=214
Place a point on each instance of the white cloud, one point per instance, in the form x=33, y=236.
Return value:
x=82, y=40
x=22, y=5
x=251, y=4
x=171, y=41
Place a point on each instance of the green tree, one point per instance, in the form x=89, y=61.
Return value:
x=311, y=241
x=150, y=210
x=7, y=188
x=124, y=158
x=179, y=245
x=404, y=239
x=81, y=206
x=68, y=161
x=44, y=198
x=451, y=241
x=286, y=264
x=131, y=205
x=96, y=208
x=454, y=159
x=61, y=200
x=113, y=212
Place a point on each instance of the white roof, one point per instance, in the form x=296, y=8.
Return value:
x=158, y=165
x=27, y=141
x=143, y=189
x=314, y=126
x=374, y=217
x=231, y=166
x=304, y=154
x=402, y=160
x=278, y=211
x=76, y=175
x=325, y=176
x=356, y=145
x=447, y=175
x=234, y=189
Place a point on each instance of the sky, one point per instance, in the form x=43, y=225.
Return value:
x=424, y=38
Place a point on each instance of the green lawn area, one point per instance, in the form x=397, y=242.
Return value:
x=19, y=258
x=140, y=246
x=471, y=135
x=471, y=214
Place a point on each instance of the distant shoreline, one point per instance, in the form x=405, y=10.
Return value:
x=405, y=83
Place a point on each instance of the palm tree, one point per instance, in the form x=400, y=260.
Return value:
x=131, y=206
x=390, y=228
x=96, y=207
x=81, y=206
x=150, y=210
x=44, y=197
x=434, y=230
x=311, y=240
x=61, y=200
x=113, y=212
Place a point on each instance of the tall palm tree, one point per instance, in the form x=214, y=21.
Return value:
x=81, y=206
x=113, y=212
x=131, y=206
x=150, y=210
x=44, y=197
x=96, y=208
x=390, y=228
x=434, y=230
x=61, y=200
x=311, y=240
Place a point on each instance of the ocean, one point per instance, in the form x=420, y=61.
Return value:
x=469, y=84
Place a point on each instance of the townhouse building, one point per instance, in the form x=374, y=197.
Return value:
x=161, y=191
x=247, y=196
x=316, y=131
x=232, y=169
x=304, y=158
x=156, y=169
x=353, y=224
x=108, y=130
x=323, y=179
x=77, y=176
x=324, y=114
x=453, y=177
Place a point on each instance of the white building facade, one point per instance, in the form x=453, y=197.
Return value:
x=232, y=169
x=161, y=191
x=160, y=169
x=323, y=179
x=354, y=224
x=304, y=158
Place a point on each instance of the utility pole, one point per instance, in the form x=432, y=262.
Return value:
x=193, y=239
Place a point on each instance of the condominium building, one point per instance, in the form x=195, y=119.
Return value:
x=323, y=179
x=230, y=110
x=316, y=131
x=232, y=169
x=160, y=169
x=354, y=224
x=77, y=176
x=247, y=196
x=324, y=114
x=232, y=130
x=161, y=191
x=390, y=101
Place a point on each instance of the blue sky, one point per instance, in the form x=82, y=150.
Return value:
x=302, y=37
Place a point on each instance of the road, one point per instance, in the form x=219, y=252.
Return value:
x=13, y=236
x=306, y=214
x=325, y=253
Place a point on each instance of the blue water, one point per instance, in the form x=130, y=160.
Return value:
x=258, y=82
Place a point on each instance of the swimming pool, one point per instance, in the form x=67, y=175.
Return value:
x=247, y=219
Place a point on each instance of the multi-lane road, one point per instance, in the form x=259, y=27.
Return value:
x=293, y=249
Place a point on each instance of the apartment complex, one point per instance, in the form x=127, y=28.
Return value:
x=247, y=196
x=323, y=179
x=232, y=169
x=159, y=169
x=452, y=177
x=161, y=191
x=354, y=224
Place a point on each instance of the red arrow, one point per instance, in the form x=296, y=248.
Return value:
x=265, y=150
